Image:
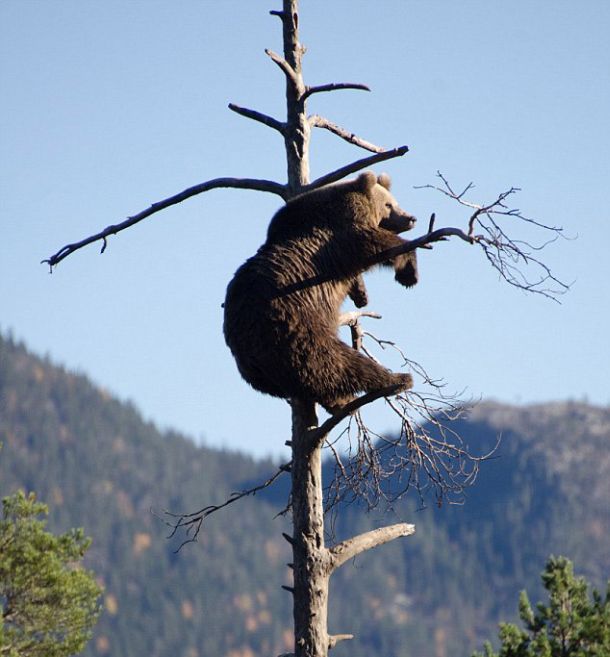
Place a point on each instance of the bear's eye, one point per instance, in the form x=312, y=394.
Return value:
x=388, y=206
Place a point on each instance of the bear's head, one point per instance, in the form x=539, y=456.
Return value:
x=387, y=212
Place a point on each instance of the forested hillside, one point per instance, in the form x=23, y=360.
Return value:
x=100, y=466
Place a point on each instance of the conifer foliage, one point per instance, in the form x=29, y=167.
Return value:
x=573, y=624
x=48, y=604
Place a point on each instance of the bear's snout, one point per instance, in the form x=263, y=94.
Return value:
x=398, y=223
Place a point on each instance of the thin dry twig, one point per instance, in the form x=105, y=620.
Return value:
x=426, y=455
x=191, y=523
x=505, y=254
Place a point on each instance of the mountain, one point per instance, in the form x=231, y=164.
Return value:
x=100, y=466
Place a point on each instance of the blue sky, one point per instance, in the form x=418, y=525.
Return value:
x=110, y=106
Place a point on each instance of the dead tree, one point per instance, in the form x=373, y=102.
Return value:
x=425, y=450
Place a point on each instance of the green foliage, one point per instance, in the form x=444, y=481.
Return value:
x=571, y=625
x=48, y=603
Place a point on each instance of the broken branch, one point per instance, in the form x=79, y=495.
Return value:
x=358, y=165
x=333, y=86
x=320, y=122
x=258, y=116
x=351, y=319
x=289, y=72
x=334, y=639
x=349, y=549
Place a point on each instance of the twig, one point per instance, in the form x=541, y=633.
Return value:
x=192, y=522
x=503, y=252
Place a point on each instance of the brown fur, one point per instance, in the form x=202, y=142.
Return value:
x=282, y=306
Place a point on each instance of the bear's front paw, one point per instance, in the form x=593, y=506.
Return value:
x=360, y=299
x=406, y=276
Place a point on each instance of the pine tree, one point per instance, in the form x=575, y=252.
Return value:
x=573, y=624
x=48, y=603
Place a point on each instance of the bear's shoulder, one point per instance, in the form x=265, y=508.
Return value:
x=330, y=206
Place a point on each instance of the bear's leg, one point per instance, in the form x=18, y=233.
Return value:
x=357, y=292
x=342, y=372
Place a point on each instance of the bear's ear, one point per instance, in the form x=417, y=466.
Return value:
x=385, y=181
x=366, y=181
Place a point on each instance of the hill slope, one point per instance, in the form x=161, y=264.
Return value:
x=99, y=466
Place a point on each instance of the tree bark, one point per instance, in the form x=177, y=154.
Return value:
x=297, y=131
x=310, y=557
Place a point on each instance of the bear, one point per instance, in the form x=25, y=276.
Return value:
x=281, y=311
x=405, y=265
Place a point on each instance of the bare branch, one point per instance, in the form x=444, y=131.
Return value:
x=320, y=122
x=439, y=235
x=352, y=547
x=333, y=86
x=426, y=455
x=239, y=183
x=504, y=253
x=317, y=435
x=352, y=317
x=358, y=165
x=289, y=72
x=191, y=522
x=334, y=639
x=258, y=116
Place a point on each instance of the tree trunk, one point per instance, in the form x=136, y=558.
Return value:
x=313, y=563
x=310, y=556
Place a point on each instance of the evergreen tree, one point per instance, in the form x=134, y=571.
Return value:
x=572, y=625
x=48, y=603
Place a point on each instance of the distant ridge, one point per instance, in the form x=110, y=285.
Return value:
x=99, y=465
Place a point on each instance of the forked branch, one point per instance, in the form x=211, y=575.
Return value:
x=506, y=254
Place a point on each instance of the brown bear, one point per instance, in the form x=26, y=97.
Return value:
x=282, y=307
